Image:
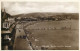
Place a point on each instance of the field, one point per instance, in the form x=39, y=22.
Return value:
x=56, y=35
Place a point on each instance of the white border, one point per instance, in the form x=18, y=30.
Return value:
x=39, y=1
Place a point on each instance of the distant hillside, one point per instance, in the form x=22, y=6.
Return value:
x=44, y=14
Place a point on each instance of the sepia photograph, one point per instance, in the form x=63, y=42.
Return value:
x=39, y=25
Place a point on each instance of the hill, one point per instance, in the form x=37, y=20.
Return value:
x=48, y=14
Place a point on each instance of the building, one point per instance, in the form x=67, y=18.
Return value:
x=7, y=31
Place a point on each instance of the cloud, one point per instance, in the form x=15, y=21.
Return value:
x=14, y=8
x=71, y=9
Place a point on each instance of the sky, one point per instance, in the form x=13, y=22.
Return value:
x=14, y=8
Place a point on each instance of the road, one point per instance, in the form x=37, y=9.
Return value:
x=21, y=43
